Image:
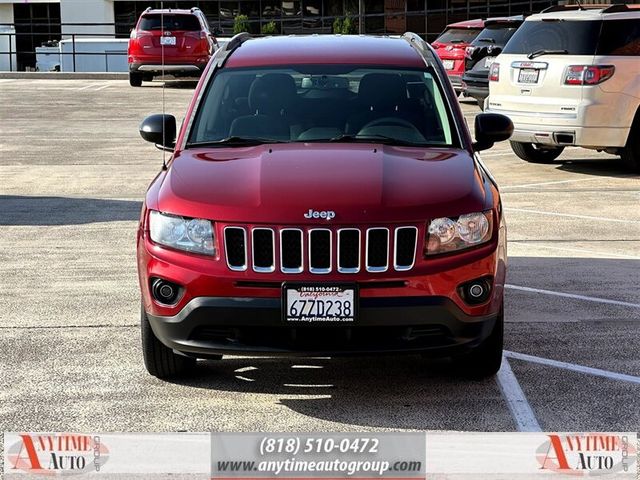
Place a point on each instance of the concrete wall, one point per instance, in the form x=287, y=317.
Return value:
x=6, y=12
x=7, y=42
x=87, y=11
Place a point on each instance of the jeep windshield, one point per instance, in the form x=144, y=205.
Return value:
x=570, y=37
x=323, y=103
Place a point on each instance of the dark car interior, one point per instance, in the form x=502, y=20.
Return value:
x=277, y=106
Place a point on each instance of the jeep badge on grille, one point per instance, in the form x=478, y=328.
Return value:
x=328, y=214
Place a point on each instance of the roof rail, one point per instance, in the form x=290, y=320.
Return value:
x=193, y=9
x=237, y=40
x=419, y=44
x=570, y=8
x=619, y=8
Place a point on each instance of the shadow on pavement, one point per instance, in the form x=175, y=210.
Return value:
x=400, y=392
x=26, y=210
x=604, y=167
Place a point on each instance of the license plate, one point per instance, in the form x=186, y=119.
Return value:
x=319, y=304
x=448, y=64
x=168, y=41
x=528, y=75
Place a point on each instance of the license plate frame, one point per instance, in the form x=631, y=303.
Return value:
x=168, y=41
x=449, y=64
x=530, y=76
x=320, y=293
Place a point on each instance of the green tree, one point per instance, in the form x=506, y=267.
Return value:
x=241, y=24
x=349, y=26
x=269, y=28
x=337, y=25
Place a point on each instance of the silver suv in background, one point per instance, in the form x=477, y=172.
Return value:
x=570, y=76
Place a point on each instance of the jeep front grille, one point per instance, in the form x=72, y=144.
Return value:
x=320, y=250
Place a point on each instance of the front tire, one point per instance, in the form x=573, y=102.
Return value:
x=630, y=154
x=484, y=360
x=160, y=360
x=135, y=79
x=533, y=153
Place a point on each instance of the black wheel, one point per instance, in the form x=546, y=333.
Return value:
x=534, y=153
x=484, y=360
x=147, y=77
x=630, y=154
x=135, y=79
x=160, y=360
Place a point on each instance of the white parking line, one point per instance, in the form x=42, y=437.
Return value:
x=573, y=367
x=102, y=88
x=550, y=183
x=570, y=215
x=497, y=154
x=577, y=250
x=91, y=85
x=574, y=296
x=519, y=407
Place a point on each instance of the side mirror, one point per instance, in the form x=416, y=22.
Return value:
x=491, y=128
x=159, y=129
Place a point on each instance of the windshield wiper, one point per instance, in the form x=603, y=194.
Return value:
x=544, y=51
x=488, y=40
x=384, y=139
x=234, y=141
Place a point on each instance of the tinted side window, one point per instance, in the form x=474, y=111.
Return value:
x=620, y=37
x=577, y=37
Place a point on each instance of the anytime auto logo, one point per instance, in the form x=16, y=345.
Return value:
x=588, y=454
x=57, y=454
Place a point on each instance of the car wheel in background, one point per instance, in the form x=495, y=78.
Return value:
x=484, y=360
x=630, y=154
x=160, y=360
x=534, y=153
x=135, y=79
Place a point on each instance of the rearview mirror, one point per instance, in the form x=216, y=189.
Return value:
x=159, y=129
x=491, y=128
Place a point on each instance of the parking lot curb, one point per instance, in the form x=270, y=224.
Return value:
x=65, y=75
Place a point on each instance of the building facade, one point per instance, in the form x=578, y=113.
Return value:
x=38, y=21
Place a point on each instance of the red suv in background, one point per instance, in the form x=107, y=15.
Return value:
x=451, y=46
x=178, y=42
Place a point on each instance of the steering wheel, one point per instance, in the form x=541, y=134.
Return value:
x=390, y=121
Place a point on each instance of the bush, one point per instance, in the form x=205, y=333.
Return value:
x=240, y=24
x=349, y=26
x=337, y=25
x=269, y=28
x=345, y=26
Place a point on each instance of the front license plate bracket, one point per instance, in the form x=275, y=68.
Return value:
x=305, y=304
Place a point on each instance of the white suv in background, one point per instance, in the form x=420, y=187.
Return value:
x=570, y=76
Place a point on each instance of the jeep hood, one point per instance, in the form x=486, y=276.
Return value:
x=361, y=183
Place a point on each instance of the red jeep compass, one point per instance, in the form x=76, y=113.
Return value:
x=177, y=42
x=324, y=197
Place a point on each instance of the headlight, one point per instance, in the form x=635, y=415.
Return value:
x=451, y=234
x=189, y=234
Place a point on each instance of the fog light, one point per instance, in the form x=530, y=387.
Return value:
x=476, y=291
x=164, y=292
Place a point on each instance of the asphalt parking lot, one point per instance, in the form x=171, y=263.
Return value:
x=73, y=172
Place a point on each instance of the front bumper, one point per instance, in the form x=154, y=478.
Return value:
x=221, y=325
